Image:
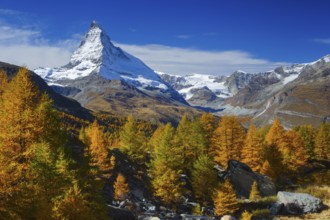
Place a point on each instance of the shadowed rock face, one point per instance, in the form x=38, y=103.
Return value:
x=242, y=178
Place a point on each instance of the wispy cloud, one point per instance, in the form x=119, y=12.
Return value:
x=14, y=35
x=183, y=36
x=184, y=61
x=322, y=40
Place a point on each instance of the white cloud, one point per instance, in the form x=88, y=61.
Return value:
x=14, y=35
x=184, y=61
x=34, y=56
x=323, y=40
x=23, y=46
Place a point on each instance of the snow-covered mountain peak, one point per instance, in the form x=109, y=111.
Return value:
x=98, y=55
x=97, y=48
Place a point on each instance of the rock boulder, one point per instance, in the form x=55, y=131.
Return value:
x=242, y=178
x=298, y=203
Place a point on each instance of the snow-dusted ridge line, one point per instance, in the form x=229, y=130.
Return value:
x=193, y=81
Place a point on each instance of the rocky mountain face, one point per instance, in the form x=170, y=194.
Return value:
x=64, y=104
x=297, y=94
x=103, y=77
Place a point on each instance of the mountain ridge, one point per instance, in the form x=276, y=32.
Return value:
x=249, y=95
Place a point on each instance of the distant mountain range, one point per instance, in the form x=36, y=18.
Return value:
x=103, y=77
x=297, y=94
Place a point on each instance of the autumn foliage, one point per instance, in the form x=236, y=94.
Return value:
x=225, y=200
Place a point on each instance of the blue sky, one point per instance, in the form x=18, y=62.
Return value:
x=176, y=36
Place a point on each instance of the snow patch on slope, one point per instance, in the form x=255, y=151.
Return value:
x=290, y=78
x=198, y=81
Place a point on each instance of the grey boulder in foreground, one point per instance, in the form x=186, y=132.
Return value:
x=298, y=203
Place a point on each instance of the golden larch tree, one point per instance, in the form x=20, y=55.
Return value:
x=3, y=81
x=322, y=142
x=166, y=183
x=267, y=170
x=307, y=134
x=293, y=151
x=228, y=140
x=272, y=151
x=97, y=148
x=275, y=133
x=121, y=189
x=73, y=205
x=207, y=122
x=252, y=150
x=225, y=199
x=203, y=175
x=132, y=141
x=25, y=119
x=254, y=193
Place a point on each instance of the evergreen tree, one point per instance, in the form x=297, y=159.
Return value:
x=307, y=134
x=252, y=150
x=121, y=189
x=322, y=142
x=225, y=200
x=73, y=205
x=275, y=134
x=166, y=159
x=208, y=125
x=132, y=141
x=228, y=140
x=272, y=151
x=155, y=138
x=267, y=170
x=182, y=142
x=3, y=81
x=292, y=150
x=165, y=150
x=204, y=175
x=98, y=149
x=254, y=193
x=166, y=183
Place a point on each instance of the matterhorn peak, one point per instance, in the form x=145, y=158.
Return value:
x=97, y=55
x=94, y=24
